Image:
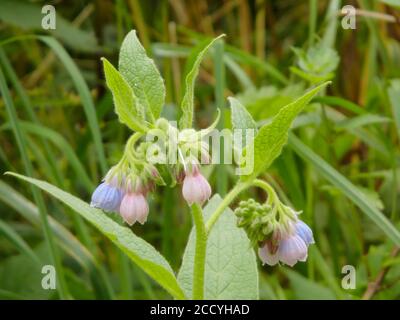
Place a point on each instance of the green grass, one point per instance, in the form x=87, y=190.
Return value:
x=340, y=167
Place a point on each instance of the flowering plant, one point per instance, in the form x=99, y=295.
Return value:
x=177, y=157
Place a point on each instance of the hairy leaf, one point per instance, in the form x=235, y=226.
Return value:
x=142, y=75
x=129, y=109
x=272, y=137
x=231, y=268
x=138, y=250
x=194, y=60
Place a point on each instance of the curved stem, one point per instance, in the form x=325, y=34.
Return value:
x=241, y=186
x=200, y=253
x=267, y=188
x=225, y=202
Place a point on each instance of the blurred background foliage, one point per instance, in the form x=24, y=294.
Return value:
x=273, y=51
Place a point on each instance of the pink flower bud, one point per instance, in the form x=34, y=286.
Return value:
x=196, y=188
x=134, y=208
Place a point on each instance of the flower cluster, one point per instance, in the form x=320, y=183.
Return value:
x=277, y=230
x=288, y=245
x=124, y=193
x=126, y=185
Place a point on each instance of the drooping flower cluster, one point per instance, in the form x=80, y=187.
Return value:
x=288, y=246
x=126, y=185
x=124, y=193
x=277, y=230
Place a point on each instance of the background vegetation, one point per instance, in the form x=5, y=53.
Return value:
x=344, y=148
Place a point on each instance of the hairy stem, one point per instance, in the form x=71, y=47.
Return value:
x=272, y=196
x=200, y=253
x=241, y=186
x=225, y=202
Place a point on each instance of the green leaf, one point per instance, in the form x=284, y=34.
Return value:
x=138, y=250
x=272, y=137
x=241, y=119
x=347, y=188
x=142, y=75
x=127, y=106
x=231, y=268
x=194, y=61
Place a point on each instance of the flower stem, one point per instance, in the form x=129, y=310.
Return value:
x=241, y=186
x=225, y=202
x=200, y=253
x=272, y=196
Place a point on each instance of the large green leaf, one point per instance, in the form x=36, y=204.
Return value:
x=272, y=137
x=231, y=268
x=142, y=75
x=193, y=67
x=138, y=250
x=128, y=107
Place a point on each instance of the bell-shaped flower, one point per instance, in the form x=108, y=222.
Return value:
x=292, y=249
x=107, y=196
x=196, y=188
x=305, y=232
x=134, y=208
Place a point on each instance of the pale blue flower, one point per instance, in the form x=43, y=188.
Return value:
x=292, y=249
x=305, y=232
x=107, y=197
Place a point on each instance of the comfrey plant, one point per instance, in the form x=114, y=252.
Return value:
x=219, y=261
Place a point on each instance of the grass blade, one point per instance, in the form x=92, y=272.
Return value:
x=348, y=189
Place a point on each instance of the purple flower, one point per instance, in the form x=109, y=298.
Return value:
x=134, y=208
x=196, y=188
x=107, y=196
x=289, y=247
